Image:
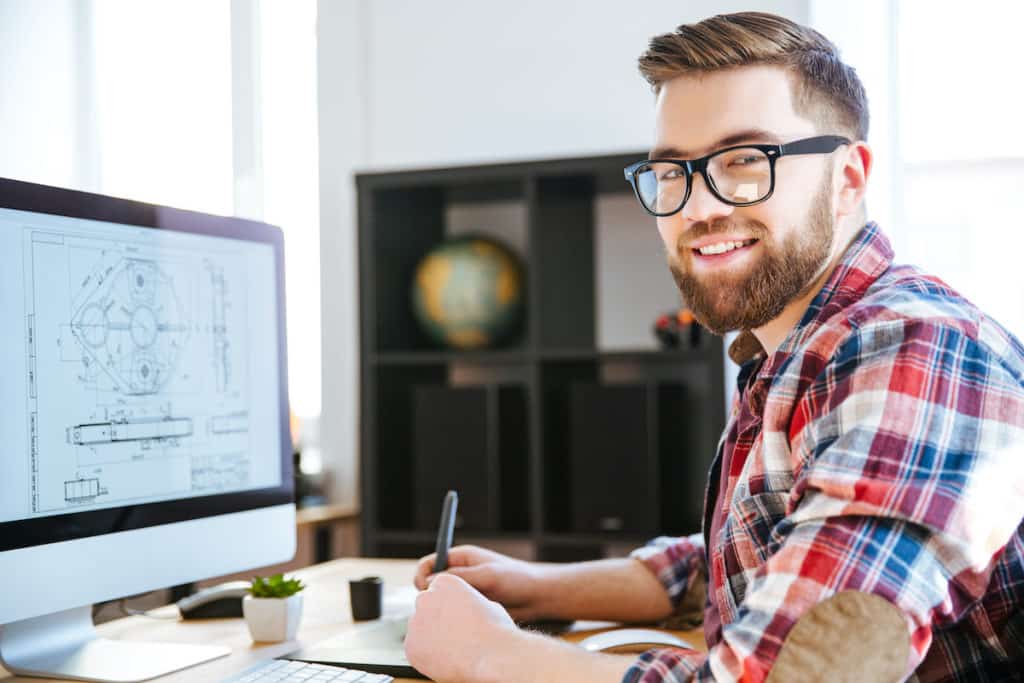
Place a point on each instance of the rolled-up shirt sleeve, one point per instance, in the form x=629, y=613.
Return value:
x=906, y=491
x=680, y=564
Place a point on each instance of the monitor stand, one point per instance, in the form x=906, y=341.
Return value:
x=65, y=645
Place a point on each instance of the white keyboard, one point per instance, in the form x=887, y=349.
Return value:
x=283, y=671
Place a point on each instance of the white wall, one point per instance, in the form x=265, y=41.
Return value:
x=41, y=47
x=406, y=84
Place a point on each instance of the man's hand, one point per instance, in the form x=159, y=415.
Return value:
x=455, y=629
x=514, y=583
x=457, y=635
x=607, y=590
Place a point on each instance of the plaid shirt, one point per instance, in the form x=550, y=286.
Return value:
x=880, y=449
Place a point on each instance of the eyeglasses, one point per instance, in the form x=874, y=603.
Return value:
x=738, y=176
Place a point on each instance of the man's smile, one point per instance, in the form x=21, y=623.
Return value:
x=722, y=252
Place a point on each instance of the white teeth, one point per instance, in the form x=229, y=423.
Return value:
x=720, y=248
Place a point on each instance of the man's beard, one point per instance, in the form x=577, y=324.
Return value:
x=725, y=301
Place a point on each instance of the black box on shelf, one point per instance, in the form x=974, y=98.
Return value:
x=513, y=457
x=452, y=451
x=611, y=473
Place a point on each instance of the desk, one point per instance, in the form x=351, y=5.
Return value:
x=325, y=614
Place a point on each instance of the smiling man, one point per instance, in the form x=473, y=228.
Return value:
x=863, y=518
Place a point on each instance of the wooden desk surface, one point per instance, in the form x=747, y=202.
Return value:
x=326, y=613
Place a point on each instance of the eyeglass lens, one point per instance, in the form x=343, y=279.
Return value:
x=739, y=176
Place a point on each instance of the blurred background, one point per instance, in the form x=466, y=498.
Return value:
x=268, y=108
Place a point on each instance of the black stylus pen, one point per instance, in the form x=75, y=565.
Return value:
x=444, y=532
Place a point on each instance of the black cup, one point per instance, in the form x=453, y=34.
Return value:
x=365, y=596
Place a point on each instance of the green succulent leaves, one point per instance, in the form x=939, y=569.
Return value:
x=275, y=586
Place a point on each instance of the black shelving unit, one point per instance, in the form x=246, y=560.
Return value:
x=550, y=440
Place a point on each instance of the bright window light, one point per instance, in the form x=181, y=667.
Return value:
x=163, y=88
x=162, y=77
x=945, y=109
x=290, y=181
x=962, y=159
x=959, y=89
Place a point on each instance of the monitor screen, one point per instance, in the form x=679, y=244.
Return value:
x=143, y=417
x=142, y=371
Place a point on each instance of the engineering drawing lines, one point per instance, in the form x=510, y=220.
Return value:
x=235, y=423
x=221, y=345
x=133, y=430
x=137, y=357
x=133, y=325
x=83, y=490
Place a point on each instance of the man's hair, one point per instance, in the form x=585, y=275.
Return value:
x=824, y=89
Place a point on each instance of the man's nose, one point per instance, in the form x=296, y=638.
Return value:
x=703, y=205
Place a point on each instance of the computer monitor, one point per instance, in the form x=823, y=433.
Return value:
x=143, y=416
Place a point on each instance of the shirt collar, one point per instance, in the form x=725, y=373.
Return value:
x=869, y=255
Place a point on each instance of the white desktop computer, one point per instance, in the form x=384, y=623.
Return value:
x=143, y=418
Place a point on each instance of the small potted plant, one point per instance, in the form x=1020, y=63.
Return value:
x=273, y=608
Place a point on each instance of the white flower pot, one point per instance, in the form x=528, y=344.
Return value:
x=272, y=619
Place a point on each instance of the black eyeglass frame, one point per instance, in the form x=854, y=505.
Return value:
x=821, y=144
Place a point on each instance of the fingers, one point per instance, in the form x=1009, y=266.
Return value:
x=459, y=556
x=481, y=576
x=446, y=582
x=424, y=568
x=467, y=555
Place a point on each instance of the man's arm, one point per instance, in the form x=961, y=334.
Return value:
x=612, y=590
x=615, y=590
x=908, y=449
x=680, y=565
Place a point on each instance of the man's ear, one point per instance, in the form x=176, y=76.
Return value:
x=852, y=178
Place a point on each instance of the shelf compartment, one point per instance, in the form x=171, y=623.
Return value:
x=612, y=477
x=569, y=218
x=556, y=378
x=451, y=451
x=474, y=440
x=410, y=220
x=388, y=478
x=562, y=232
x=406, y=550
x=702, y=353
x=433, y=357
x=689, y=425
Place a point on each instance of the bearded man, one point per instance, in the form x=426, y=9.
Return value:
x=863, y=518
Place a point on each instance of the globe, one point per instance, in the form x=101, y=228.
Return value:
x=468, y=293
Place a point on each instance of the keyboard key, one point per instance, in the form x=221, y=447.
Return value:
x=283, y=671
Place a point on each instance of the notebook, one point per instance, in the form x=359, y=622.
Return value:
x=379, y=646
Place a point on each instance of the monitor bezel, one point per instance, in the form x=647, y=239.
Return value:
x=45, y=199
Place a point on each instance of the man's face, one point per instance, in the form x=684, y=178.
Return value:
x=794, y=229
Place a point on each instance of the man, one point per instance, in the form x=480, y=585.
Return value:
x=864, y=514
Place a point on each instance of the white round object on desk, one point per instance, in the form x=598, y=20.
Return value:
x=631, y=640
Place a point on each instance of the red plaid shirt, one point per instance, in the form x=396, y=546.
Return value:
x=880, y=449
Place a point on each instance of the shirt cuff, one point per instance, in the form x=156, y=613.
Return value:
x=679, y=563
x=665, y=665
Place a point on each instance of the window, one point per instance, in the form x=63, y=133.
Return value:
x=944, y=104
x=961, y=149
x=162, y=86
x=212, y=106
x=291, y=180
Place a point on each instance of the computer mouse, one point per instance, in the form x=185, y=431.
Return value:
x=215, y=602
x=631, y=640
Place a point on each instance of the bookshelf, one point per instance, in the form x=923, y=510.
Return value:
x=554, y=444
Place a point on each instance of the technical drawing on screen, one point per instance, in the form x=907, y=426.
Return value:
x=143, y=415
x=138, y=368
